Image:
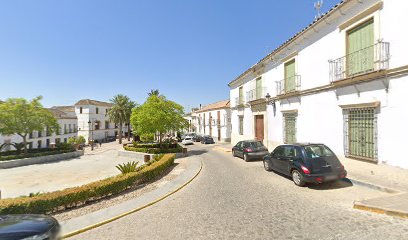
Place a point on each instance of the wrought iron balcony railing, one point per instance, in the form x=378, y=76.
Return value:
x=288, y=85
x=373, y=58
x=256, y=93
x=239, y=101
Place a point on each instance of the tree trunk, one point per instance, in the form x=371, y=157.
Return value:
x=25, y=143
x=160, y=139
x=128, y=131
x=120, y=133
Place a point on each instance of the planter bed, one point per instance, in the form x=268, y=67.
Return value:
x=12, y=155
x=74, y=197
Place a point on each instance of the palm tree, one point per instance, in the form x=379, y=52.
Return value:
x=119, y=112
x=128, y=114
x=154, y=92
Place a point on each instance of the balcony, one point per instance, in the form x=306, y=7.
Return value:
x=239, y=101
x=288, y=85
x=373, y=58
x=255, y=94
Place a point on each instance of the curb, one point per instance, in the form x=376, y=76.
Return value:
x=372, y=186
x=386, y=211
x=90, y=227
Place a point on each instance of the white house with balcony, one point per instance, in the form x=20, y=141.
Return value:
x=213, y=120
x=340, y=81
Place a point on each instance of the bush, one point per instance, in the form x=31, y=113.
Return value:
x=45, y=152
x=72, y=197
x=154, y=150
x=127, y=167
x=64, y=146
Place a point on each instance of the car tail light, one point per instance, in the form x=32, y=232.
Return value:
x=248, y=150
x=305, y=169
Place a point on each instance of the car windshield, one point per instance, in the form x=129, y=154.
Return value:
x=316, y=151
x=187, y=138
x=256, y=144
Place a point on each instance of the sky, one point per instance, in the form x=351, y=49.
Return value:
x=68, y=50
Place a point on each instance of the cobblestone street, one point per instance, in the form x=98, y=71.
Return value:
x=232, y=199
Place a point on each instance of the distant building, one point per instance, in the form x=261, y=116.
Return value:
x=214, y=120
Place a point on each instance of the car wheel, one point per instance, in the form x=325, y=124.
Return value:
x=246, y=158
x=267, y=165
x=297, y=178
x=233, y=153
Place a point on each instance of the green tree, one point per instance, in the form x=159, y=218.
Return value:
x=158, y=115
x=22, y=117
x=120, y=111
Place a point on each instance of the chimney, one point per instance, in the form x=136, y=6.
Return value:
x=200, y=105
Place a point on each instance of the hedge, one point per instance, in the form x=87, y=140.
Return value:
x=154, y=150
x=12, y=156
x=73, y=197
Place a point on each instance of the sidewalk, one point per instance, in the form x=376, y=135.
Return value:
x=381, y=177
x=92, y=220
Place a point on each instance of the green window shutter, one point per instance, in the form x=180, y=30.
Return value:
x=241, y=95
x=290, y=72
x=258, y=88
x=290, y=128
x=360, y=49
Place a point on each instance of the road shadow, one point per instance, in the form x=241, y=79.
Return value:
x=193, y=153
x=342, y=183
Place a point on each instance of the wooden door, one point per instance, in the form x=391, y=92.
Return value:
x=259, y=127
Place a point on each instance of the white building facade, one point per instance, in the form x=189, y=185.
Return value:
x=213, y=120
x=93, y=121
x=340, y=81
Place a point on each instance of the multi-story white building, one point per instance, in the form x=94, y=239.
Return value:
x=87, y=118
x=341, y=81
x=214, y=120
x=93, y=121
x=44, y=139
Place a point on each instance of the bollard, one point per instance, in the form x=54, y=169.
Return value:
x=185, y=151
x=146, y=158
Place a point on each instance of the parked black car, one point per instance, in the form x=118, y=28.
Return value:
x=22, y=226
x=305, y=163
x=207, y=140
x=249, y=149
x=197, y=138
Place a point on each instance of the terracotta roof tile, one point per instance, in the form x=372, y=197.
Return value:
x=93, y=102
x=216, y=105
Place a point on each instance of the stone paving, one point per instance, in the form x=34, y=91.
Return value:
x=93, y=166
x=232, y=199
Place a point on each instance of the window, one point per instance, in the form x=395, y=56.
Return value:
x=70, y=129
x=39, y=134
x=106, y=124
x=97, y=125
x=259, y=88
x=241, y=96
x=39, y=144
x=316, y=151
x=30, y=135
x=75, y=128
x=65, y=129
x=65, y=140
x=241, y=125
x=97, y=110
x=47, y=142
x=360, y=133
x=360, y=48
x=80, y=110
x=289, y=127
x=290, y=76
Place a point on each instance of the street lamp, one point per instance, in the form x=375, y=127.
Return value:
x=91, y=128
x=268, y=100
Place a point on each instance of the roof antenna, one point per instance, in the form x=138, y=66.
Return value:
x=318, y=5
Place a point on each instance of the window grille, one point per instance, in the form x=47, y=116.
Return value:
x=289, y=128
x=360, y=133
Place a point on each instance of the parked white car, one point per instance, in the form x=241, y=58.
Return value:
x=187, y=141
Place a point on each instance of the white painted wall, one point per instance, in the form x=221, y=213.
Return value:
x=320, y=119
x=225, y=124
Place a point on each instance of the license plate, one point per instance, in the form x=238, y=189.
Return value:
x=329, y=178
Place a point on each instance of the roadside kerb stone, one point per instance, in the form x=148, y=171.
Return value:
x=86, y=222
x=395, y=205
x=40, y=159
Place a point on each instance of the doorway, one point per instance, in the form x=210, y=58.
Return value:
x=259, y=127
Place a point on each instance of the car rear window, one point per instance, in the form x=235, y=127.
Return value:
x=256, y=144
x=316, y=151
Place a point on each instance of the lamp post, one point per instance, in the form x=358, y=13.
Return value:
x=91, y=128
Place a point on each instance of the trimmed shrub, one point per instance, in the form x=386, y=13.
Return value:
x=154, y=150
x=72, y=197
x=35, y=154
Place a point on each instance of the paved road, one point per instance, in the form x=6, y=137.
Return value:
x=232, y=199
x=93, y=166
